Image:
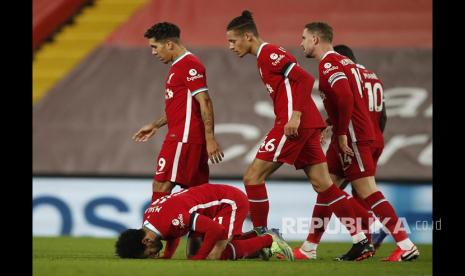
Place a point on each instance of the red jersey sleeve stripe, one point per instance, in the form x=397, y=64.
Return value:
x=335, y=75
x=336, y=79
x=288, y=70
x=198, y=91
x=194, y=221
x=152, y=228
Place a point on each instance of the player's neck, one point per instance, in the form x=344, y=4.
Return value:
x=178, y=52
x=323, y=50
x=257, y=42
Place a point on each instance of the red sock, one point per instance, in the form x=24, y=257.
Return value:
x=362, y=213
x=383, y=209
x=157, y=195
x=237, y=249
x=259, y=206
x=320, y=217
x=341, y=207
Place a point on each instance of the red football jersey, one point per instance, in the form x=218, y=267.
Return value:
x=186, y=79
x=274, y=64
x=373, y=96
x=173, y=216
x=334, y=67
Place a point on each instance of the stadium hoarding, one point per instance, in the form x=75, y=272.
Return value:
x=103, y=207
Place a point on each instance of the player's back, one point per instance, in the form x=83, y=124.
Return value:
x=171, y=215
x=274, y=63
x=332, y=68
x=373, y=93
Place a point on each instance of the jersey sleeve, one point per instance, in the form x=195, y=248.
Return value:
x=168, y=224
x=340, y=93
x=196, y=78
x=331, y=72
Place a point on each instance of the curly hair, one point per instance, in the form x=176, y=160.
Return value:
x=163, y=31
x=129, y=244
x=243, y=23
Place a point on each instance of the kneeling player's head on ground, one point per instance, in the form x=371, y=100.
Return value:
x=137, y=244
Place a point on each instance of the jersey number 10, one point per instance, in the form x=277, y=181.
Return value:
x=375, y=94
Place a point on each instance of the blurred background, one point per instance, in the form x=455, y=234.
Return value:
x=95, y=84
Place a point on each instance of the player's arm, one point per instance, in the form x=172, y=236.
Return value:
x=149, y=130
x=215, y=153
x=344, y=98
x=303, y=84
x=383, y=119
x=215, y=237
x=170, y=248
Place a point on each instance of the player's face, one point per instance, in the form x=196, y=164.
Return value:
x=238, y=43
x=160, y=50
x=152, y=248
x=308, y=43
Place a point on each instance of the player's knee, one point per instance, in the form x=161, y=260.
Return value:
x=247, y=179
x=320, y=183
x=250, y=177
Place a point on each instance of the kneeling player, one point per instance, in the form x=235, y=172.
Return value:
x=215, y=212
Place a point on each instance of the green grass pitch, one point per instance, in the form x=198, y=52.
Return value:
x=95, y=256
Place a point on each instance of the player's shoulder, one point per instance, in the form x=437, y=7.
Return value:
x=367, y=73
x=271, y=51
x=191, y=61
x=329, y=64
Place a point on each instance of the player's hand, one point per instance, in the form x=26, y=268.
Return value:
x=214, y=151
x=325, y=135
x=144, y=133
x=343, y=145
x=291, y=128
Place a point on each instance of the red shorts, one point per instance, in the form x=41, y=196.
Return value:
x=182, y=163
x=376, y=153
x=300, y=152
x=233, y=214
x=351, y=167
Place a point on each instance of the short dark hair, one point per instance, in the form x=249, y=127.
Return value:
x=345, y=51
x=243, y=23
x=163, y=31
x=129, y=244
x=324, y=30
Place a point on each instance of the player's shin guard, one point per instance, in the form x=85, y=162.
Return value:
x=362, y=214
x=385, y=212
x=340, y=205
x=320, y=217
x=259, y=206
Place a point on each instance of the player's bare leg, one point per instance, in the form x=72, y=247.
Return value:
x=367, y=189
x=338, y=180
x=254, y=181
